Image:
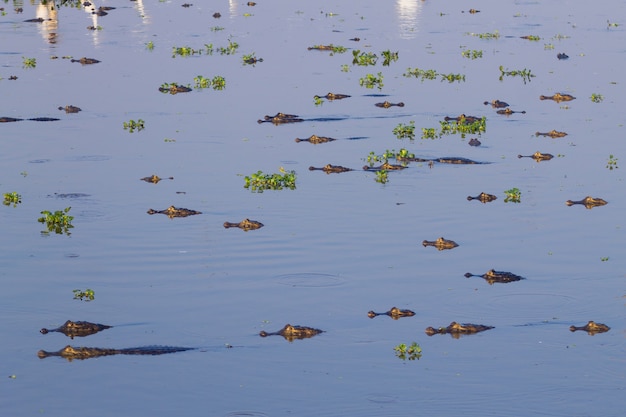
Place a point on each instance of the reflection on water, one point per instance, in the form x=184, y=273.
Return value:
x=50, y=24
x=408, y=12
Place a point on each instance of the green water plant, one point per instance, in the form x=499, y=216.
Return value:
x=218, y=82
x=405, y=130
x=472, y=54
x=259, y=181
x=371, y=81
x=388, y=57
x=526, y=74
x=363, y=58
x=185, y=51
x=29, y=62
x=531, y=38
x=12, y=198
x=87, y=295
x=487, y=35
x=132, y=125
x=58, y=222
x=430, y=74
x=452, y=77
x=411, y=352
x=429, y=133
x=230, y=49
x=597, y=98
x=611, y=164
x=150, y=46
x=382, y=176
x=514, y=195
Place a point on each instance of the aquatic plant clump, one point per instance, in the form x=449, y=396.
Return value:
x=58, y=222
x=259, y=181
x=371, y=81
x=514, y=195
x=525, y=74
x=405, y=130
x=87, y=295
x=411, y=352
x=132, y=125
x=12, y=198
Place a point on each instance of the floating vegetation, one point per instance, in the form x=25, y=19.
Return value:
x=611, y=164
x=29, y=62
x=371, y=81
x=548, y=46
x=472, y=54
x=363, y=58
x=216, y=28
x=597, y=98
x=259, y=181
x=382, y=177
x=610, y=24
x=185, y=51
x=132, y=125
x=429, y=133
x=58, y=222
x=150, y=46
x=422, y=74
x=389, y=56
x=531, y=38
x=487, y=35
x=514, y=195
x=217, y=83
x=525, y=74
x=87, y=295
x=405, y=130
x=463, y=125
x=228, y=50
x=452, y=77
x=345, y=68
x=412, y=352
x=318, y=100
x=12, y=198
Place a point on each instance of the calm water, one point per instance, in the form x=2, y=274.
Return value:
x=337, y=246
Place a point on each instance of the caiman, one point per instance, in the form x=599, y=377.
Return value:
x=281, y=118
x=395, y=313
x=245, y=225
x=474, y=142
x=174, y=89
x=387, y=104
x=462, y=119
x=456, y=330
x=588, y=202
x=332, y=96
x=592, y=328
x=77, y=328
x=562, y=56
x=85, y=61
x=70, y=353
x=34, y=119
x=321, y=47
x=70, y=109
x=538, y=156
x=558, y=97
x=496, y=104
x=154, y=179
x=440, y=243
x=444, y=160
x=384, y=167
x=492, y=276
x=172, y=212
x=291, y=333
x=330, y=169
x=37, y=20
x=314, y=139
x=553, y=134
x=483, y=198
x=508, y=111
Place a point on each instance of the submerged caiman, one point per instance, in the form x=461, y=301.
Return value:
x=558, y=97
x=591, y=327
x=154, y=179
x=70, y=353
x=332, y=96
x=85, y=61
x=455, y=160
x=330, y=169
x=291, y=333
x=538, y=156
x=395, y=313
x=496, y=104
x=553, y=134
x=314, y=139
x=281, y=118
x=70, y=109
x=172, y=212
x=456, y=330
x=384, y=167
x=588, y=202
x=77, y=328
x=441, y=243
x=245, y=225
x=483, y=198
x=386, y=104
x=492, y=276
x=34, y=119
